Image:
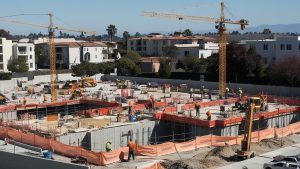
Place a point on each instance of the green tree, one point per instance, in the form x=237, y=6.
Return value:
x=170, y=51
x=111, y=31
x=266, y=31
x=285, y=71
x=17, y=65
x=127, y=67
x=187, y=32
x=133, y=56
x=4, y=33
x=138, y=35
x=164, y=69
x=126, y=36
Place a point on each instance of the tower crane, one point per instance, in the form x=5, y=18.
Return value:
x=51, y=28
x=220, y=26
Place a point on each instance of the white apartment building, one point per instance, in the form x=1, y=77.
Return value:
x=272, y=49
x=26, y=52
x=203, y=50
x=72, y=53
x=5, y=53
x=153, y=44
x=56, y=40
x=208, y=49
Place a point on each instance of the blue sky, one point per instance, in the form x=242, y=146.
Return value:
x=96, y=15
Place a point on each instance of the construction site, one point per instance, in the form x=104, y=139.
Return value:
x=163, y=119
x=64, y=121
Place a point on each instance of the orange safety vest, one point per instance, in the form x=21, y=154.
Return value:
x=208, y=113
x=197, y=105
x=131, y=145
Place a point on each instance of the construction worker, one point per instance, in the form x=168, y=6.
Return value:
x=24, y=100
x=45, y=99
x=191, y=92
x=240, y=92
x=202, y=91
x=130, y=104
x=152, y=101
x=108, y=146
x=14, y=96
x=226, y=92
x=208, y=113
x=131, y=145
x=197, y=107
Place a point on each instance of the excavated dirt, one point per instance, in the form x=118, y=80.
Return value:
x=224, y=155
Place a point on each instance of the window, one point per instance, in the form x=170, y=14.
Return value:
x=186, y=53
x=266, y=46
x=274, y=58
x=278, y=165
x=58, y=50
x=1, y=66
x=31, y=65
x=131, y=43
x=289, y=47
x=202, y=55
x=95, y=49
x=253, y=46
x=164, y=42
x=83, y=49
x=1, y=58
x=30, y=49
x=30, y=57
x=87, y=49
x=58, y=56
x=1, y=49
x=282, y=47
x=299, y=46
x=96, y=56
x=0, y=41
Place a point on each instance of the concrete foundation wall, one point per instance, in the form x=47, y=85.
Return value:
x=76, y=139
x=120, y=135
x=17, y=161
x=248, y=88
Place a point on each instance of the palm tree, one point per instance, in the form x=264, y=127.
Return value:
x=126, y=36
x=111, y=31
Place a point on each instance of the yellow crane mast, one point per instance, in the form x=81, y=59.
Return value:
x=220, y=26
x=51, y=45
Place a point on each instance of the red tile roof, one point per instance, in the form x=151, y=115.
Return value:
x=78, y=44
x=173, y=38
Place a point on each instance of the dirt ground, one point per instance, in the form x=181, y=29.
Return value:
x=224, y=155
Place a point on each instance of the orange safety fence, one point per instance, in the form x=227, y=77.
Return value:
x=160, y=104
x=169, y=110
x=139, y=107
x=185, y=146
x=187, y=107
x=101, y=158
x=104, y=158
x=213, y=140
x=114, y=156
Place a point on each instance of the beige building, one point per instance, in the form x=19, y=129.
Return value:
x=155, y=44
x=150, y=64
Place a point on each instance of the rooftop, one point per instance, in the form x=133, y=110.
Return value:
x=161, y=37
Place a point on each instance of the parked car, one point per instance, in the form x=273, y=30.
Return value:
x=291, y=159
x=281, y=165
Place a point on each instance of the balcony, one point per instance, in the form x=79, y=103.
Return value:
x=23, y=53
